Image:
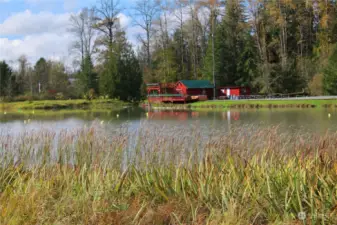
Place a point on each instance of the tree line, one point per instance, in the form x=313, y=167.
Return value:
x=272, y=46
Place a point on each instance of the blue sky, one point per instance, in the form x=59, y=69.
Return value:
x=38, y=28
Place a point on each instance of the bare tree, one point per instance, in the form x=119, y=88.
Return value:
x=82, y=28
x=106, y=19
x=25, y=71
x=145, y=12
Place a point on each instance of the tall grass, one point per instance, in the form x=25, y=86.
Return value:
x=159, y=175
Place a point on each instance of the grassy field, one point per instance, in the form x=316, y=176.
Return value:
x=265, y=104
x=61, y=104
x=247, y=176
x=250, y=104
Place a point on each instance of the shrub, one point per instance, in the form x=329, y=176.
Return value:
x=59, y=96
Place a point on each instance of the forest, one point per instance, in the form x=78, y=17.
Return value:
x=271, y=46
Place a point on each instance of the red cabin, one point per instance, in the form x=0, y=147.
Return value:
x=191, y=90
x=161, y=88
x=198, y=89
x=164, y=93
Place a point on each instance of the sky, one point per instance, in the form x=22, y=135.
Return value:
x=38, y=28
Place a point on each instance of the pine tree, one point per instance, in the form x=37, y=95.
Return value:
x=5, y=79
x=41, y=71
x=108, y=77
x=330, y=75
x=130, y=74
x=87, y=77
x=235, y=62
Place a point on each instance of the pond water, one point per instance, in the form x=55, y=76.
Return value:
x=311, y=120
x=119, y=137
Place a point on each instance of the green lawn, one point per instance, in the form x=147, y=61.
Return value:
x=264, y=103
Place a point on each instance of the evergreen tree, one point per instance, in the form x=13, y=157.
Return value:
x=41, y=70
x=129, y=71
x=107, y=79
x=58, y=78
x=330, y=75
x=164, y=65
x=87, y=78
x=5, y=79
x=234, y=50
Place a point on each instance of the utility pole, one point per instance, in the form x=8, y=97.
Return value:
x=213, y=53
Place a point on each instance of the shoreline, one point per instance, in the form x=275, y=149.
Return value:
x=51, y=105
x=248, y=104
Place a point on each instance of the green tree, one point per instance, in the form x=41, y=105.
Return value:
x=130, y=74
x=330, y=75
x=87, y=78
x=108, y=77
x=5, y=79
x=235, y=62
x=41, y=70
x=58, y=78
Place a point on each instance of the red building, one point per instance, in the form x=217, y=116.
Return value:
x=200, y=89
x=161, y=88
x=165, y=93
x=191, y=90
x=230, y=91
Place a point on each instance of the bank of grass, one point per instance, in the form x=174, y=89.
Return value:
x=62, y=104
x=265, y=104
x=247, y=176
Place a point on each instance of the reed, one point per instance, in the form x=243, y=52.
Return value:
x=158, y=175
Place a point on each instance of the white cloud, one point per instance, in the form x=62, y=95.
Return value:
x=43, y=34
x=35, y=46
x=27, y=23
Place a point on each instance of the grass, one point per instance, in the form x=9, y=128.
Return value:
x=265, y=104
x=61, y=104
x=155, y=176
x=250, y=104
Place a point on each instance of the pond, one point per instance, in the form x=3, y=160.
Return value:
x=311, y=120
x=123, y=136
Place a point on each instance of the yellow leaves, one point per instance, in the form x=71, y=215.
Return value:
x=324, y=21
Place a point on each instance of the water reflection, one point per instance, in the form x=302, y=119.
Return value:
x=314, y=120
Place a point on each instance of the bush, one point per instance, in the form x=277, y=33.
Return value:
x=59, y=96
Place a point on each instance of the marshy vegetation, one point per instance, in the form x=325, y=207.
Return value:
x=161, y=175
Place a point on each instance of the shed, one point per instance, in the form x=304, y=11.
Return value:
x=195, y=88
x=234, y=91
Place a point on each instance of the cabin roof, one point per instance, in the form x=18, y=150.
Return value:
x=197, y=83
